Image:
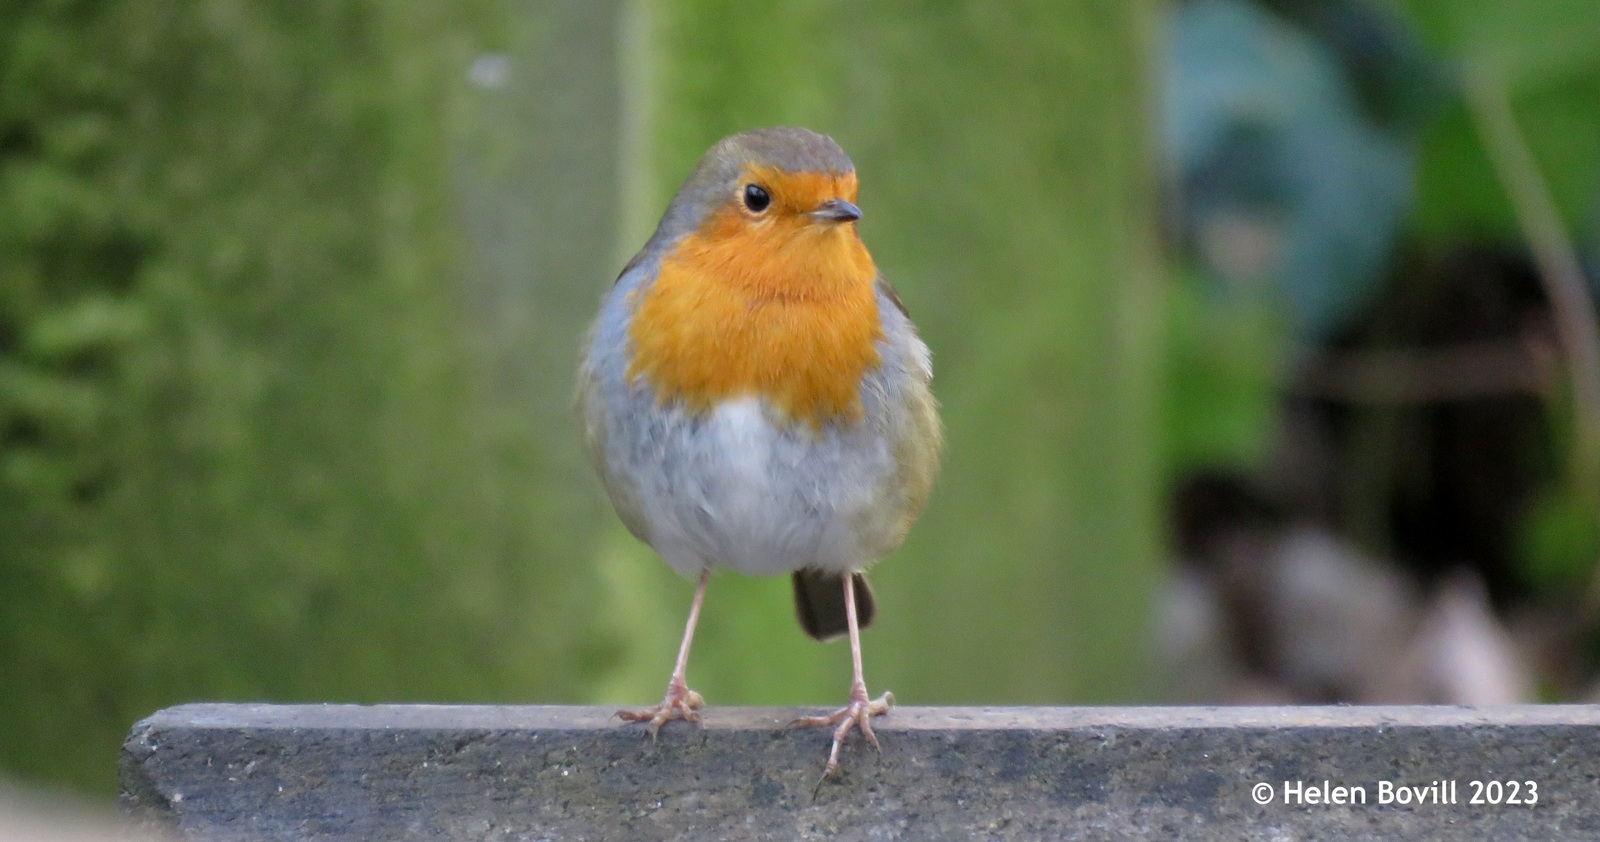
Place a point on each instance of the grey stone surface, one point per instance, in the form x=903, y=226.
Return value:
x=337, y=772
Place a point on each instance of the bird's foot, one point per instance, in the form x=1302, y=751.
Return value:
x=679, y=703
x=857, y=714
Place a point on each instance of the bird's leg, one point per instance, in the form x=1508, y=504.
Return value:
x=680, y=702
x=859, y=712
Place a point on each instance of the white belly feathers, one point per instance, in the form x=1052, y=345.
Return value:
x=765, y=499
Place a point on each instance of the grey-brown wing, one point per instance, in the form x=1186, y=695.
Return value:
x=894, y=297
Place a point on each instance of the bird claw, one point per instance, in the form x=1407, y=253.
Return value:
x=679, y=703
x=857, y=714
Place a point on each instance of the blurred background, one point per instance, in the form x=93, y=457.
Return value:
x=1264, y=333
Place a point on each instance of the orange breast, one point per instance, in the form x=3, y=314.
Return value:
x=784, y=310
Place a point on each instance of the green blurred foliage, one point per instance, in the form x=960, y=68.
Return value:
x=1560, y=540
x=1528, y=43
x=1457, y=190
x=1223, y=367
x=243, y=451
x=1545, y=53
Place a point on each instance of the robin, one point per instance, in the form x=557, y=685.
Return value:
x=754, y=396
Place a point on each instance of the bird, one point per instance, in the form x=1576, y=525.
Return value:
x=754, y=396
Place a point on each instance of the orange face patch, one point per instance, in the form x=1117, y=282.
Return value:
x=796, y=193
x=773, y=304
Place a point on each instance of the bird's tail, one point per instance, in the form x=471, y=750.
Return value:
x=819, y=603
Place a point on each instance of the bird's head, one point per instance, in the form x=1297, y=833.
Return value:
x=763, y=287
x=773, y=208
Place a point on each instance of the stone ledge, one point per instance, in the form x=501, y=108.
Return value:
x=392, y=772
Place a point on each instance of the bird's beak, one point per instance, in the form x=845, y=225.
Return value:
x=836, y=210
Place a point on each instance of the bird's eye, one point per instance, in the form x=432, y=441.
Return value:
x=755, y=198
